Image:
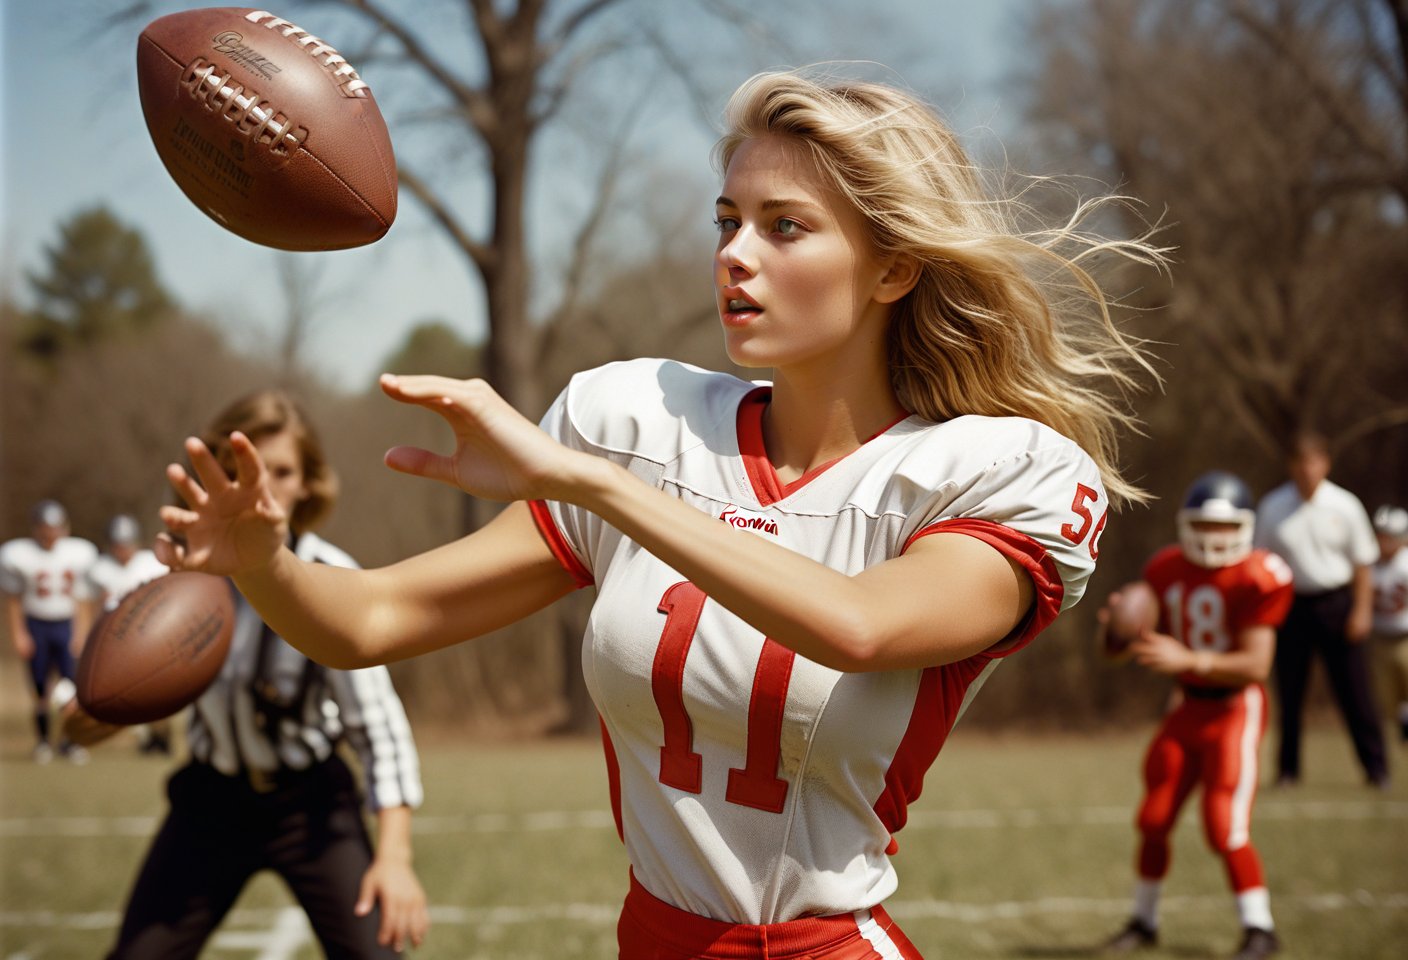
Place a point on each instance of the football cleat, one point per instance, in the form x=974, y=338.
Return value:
x=1137, y=935
x=1256, y=944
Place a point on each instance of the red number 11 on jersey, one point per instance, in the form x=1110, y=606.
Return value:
x=757, y=783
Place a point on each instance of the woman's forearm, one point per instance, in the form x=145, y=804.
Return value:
x=349, y=619
x=865, y=622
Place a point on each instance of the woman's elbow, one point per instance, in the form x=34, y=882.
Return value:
x=850, y=644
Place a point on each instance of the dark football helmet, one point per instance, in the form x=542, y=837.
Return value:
x=1222, y=497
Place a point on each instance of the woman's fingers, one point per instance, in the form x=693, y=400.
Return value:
x=168, y=551
x=207, y=468
x=422, y=463
x=418, y=389
x=178, y=520
x=249, y=467
x=455, y=400
x=186, y=488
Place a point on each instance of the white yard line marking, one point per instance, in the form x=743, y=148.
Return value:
x=553, y=820
x=280, y=931
x=280, y=942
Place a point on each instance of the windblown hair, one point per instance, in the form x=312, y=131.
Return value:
x=269, y=413
x=1004, y=321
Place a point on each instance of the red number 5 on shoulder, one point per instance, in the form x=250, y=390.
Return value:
x=1088, y=524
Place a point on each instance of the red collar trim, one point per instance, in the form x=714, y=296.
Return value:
x=767, y=486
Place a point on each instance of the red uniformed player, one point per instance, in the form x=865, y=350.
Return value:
x=800, y=583
x=1220, y=603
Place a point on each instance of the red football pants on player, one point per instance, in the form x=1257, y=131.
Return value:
x=1211, y=741
x=651, y=929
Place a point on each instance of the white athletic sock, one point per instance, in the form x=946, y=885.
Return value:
x=1254, y=908
x=1146, y=902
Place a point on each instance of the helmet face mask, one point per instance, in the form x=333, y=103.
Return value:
x=1217, y=521
x=1220, y=545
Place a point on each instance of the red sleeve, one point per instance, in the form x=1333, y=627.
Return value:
x=1268, y=593
x=557, y=543
x=1033, y=558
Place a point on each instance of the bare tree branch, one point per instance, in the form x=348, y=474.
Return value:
x=1313, y=76
x=470, y=99
x=577, y=19
x=483, y=256
x=1373, y=423
x=603, y=196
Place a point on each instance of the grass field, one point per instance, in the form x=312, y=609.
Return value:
x=1019, y=848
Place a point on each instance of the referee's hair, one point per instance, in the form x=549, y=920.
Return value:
x=267, y=413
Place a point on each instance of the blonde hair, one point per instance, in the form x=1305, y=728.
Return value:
x=1003, y=321
x=268, y=413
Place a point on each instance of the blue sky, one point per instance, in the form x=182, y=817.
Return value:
x=74, y=137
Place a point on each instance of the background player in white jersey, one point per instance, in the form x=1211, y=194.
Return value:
x=123, y=568
x=1220, y=604
x=44, y=579
x=1391, y=603
x=917, y=493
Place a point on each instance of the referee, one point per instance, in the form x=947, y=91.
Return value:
x=1324, y=534
x=266, y=788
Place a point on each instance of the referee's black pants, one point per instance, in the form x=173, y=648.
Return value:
x=1316, y=625
x=220, y=831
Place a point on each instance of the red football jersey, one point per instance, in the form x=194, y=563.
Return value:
x=1205, y=608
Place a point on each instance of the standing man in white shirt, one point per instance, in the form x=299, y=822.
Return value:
x=44, y=579
x=1323, y=532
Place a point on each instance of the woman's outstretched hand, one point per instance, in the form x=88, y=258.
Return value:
x=499, y=453
x=229, y=526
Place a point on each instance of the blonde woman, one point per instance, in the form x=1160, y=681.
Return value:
x=915, y=495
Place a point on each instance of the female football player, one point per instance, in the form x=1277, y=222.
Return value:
x=915, y=495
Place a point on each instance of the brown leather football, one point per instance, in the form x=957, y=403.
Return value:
x=267, y=129
x=1136, y=610
x=158, y=650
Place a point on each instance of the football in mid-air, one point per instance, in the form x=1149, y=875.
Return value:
x=1134, y=609
x=158, y=649
x=267, y=129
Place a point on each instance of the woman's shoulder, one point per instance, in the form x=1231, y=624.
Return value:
x=651, y=407
x=980, y=442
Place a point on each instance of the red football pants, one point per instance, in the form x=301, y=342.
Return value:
x=651, y=929
x=1212, y=742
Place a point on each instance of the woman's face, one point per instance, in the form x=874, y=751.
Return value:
x=284, y=461
x=795, y=272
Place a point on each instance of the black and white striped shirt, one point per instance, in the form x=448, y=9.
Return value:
x=271, y=708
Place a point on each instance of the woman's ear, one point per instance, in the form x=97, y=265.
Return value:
x=899, y=279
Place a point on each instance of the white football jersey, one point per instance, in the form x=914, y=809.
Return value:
x=110, y=580
x=48, y=582
x=1391, y=594
x=751, y=785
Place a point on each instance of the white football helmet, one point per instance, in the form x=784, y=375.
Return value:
x=1391, y=521
x=1222, y=497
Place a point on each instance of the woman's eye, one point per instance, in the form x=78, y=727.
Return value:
x=726, y=224
x=788, y=228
